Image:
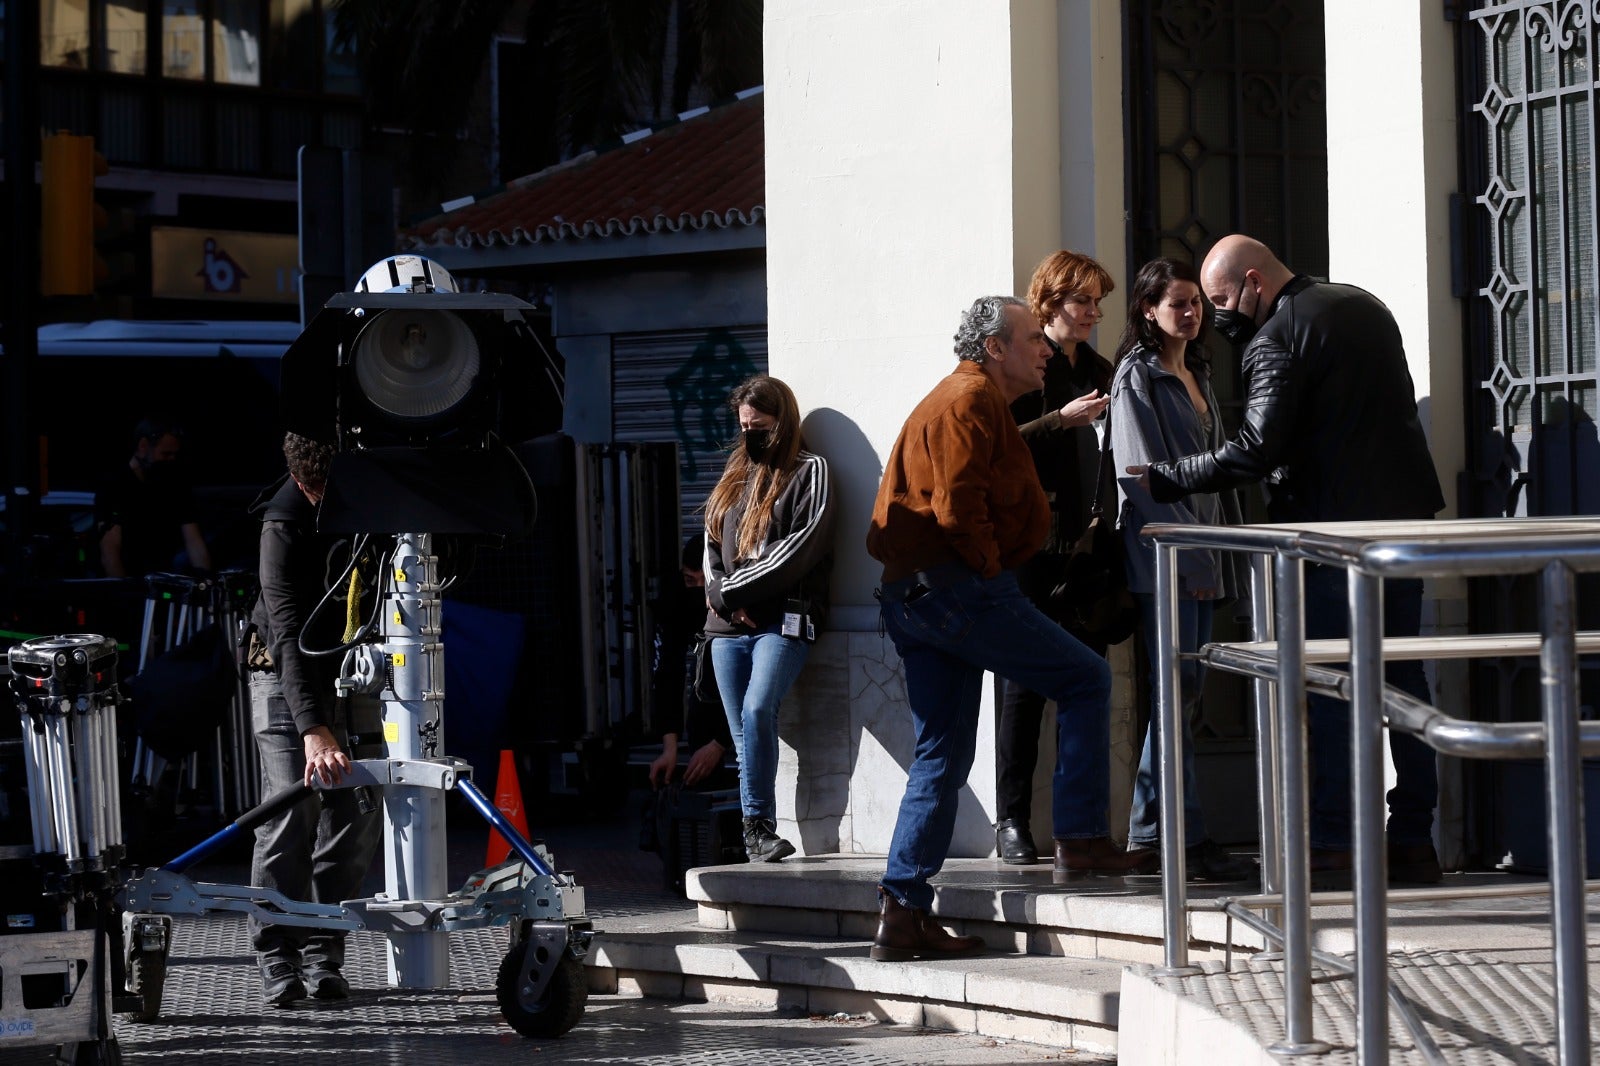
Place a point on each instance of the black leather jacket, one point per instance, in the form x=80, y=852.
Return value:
x=1330, y=419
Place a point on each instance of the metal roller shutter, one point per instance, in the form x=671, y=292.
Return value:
x=673, y=386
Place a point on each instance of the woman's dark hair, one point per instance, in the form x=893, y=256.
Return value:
x=1147, y=290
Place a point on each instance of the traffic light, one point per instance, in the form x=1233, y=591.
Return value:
x=68, y=166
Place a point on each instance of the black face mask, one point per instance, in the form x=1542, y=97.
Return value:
x=757, y=443
x=1235, y=327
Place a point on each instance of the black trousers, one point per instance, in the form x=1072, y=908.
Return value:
x=1019, y=712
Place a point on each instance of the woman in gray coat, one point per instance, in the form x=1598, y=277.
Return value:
x=1162, y=407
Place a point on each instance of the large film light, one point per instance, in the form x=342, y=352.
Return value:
x=416, y=365
x=407, y=385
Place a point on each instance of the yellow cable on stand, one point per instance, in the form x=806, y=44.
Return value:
x=352, y=606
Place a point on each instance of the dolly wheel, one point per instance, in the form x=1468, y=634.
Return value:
x=147, y=976
x=558, y=1008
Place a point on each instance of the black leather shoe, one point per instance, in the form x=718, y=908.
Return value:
x=1207, y=861
x=1014, y=843
x=1414, y=864
x=1330, y=869
x=762, y=842
x=1409, y=864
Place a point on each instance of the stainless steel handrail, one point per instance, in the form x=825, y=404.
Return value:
x=1443, y=732
x=1370, y=552
x=1264, y=900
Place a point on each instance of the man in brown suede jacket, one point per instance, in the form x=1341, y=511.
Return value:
x=959, y=508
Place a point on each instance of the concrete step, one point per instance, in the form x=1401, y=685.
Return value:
x=796, y=935
x=1016, y=909
x=1058, y=1001
x=1064, y=958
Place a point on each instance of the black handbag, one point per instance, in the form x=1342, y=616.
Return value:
x=1097, y=605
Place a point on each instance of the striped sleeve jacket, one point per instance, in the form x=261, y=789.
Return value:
x=792, y=562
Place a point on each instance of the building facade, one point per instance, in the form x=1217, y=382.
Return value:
x=199, y=110
x=943, y=147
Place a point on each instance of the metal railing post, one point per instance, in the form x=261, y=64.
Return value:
x=1558, y=680
x=1289, y=590
x=1367, y=808
x=1269, y=739
x=1169, y=705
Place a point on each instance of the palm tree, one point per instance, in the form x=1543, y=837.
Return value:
x=600, y=65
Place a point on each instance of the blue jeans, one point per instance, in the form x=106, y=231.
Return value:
x=1144, y=817
x=1411, y=801
x=753, y=674
x=947, y=638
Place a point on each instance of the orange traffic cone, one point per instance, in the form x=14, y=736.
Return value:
x=508, y=801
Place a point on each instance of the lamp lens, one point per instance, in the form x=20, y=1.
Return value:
x=416, y=364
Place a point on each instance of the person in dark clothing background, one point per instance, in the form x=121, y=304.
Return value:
x=679, y=710
x=146, y=511
x=320, y=849
x=1057, y=422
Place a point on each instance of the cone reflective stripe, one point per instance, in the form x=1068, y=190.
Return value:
x=508, y=801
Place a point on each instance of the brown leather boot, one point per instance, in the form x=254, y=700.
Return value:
x=905, y=933
x=1098, y=857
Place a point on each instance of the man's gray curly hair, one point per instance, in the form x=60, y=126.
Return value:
x=984, y=319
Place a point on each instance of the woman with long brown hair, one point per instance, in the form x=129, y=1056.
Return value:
x=769, y=532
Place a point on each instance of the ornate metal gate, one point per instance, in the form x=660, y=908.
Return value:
x=1226, y=127
x=1528, y=139
x=1530, y=159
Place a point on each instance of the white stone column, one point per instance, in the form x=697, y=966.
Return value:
x=1094, y=215
x=912, y=166
x=1094, y=221
x=1392, y=167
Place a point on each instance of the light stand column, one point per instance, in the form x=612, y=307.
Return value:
x=413, y=728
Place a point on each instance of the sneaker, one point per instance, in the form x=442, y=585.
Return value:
x=280, y=983
x=762, y=843
x=328, y=983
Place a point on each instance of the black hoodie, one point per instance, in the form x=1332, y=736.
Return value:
x=297, y=567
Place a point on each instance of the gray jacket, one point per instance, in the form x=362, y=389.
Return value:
x=1152, y=420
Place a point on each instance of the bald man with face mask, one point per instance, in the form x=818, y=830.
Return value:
x=1330, y=427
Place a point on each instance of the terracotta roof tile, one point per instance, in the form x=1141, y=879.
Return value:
x=706, y=171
